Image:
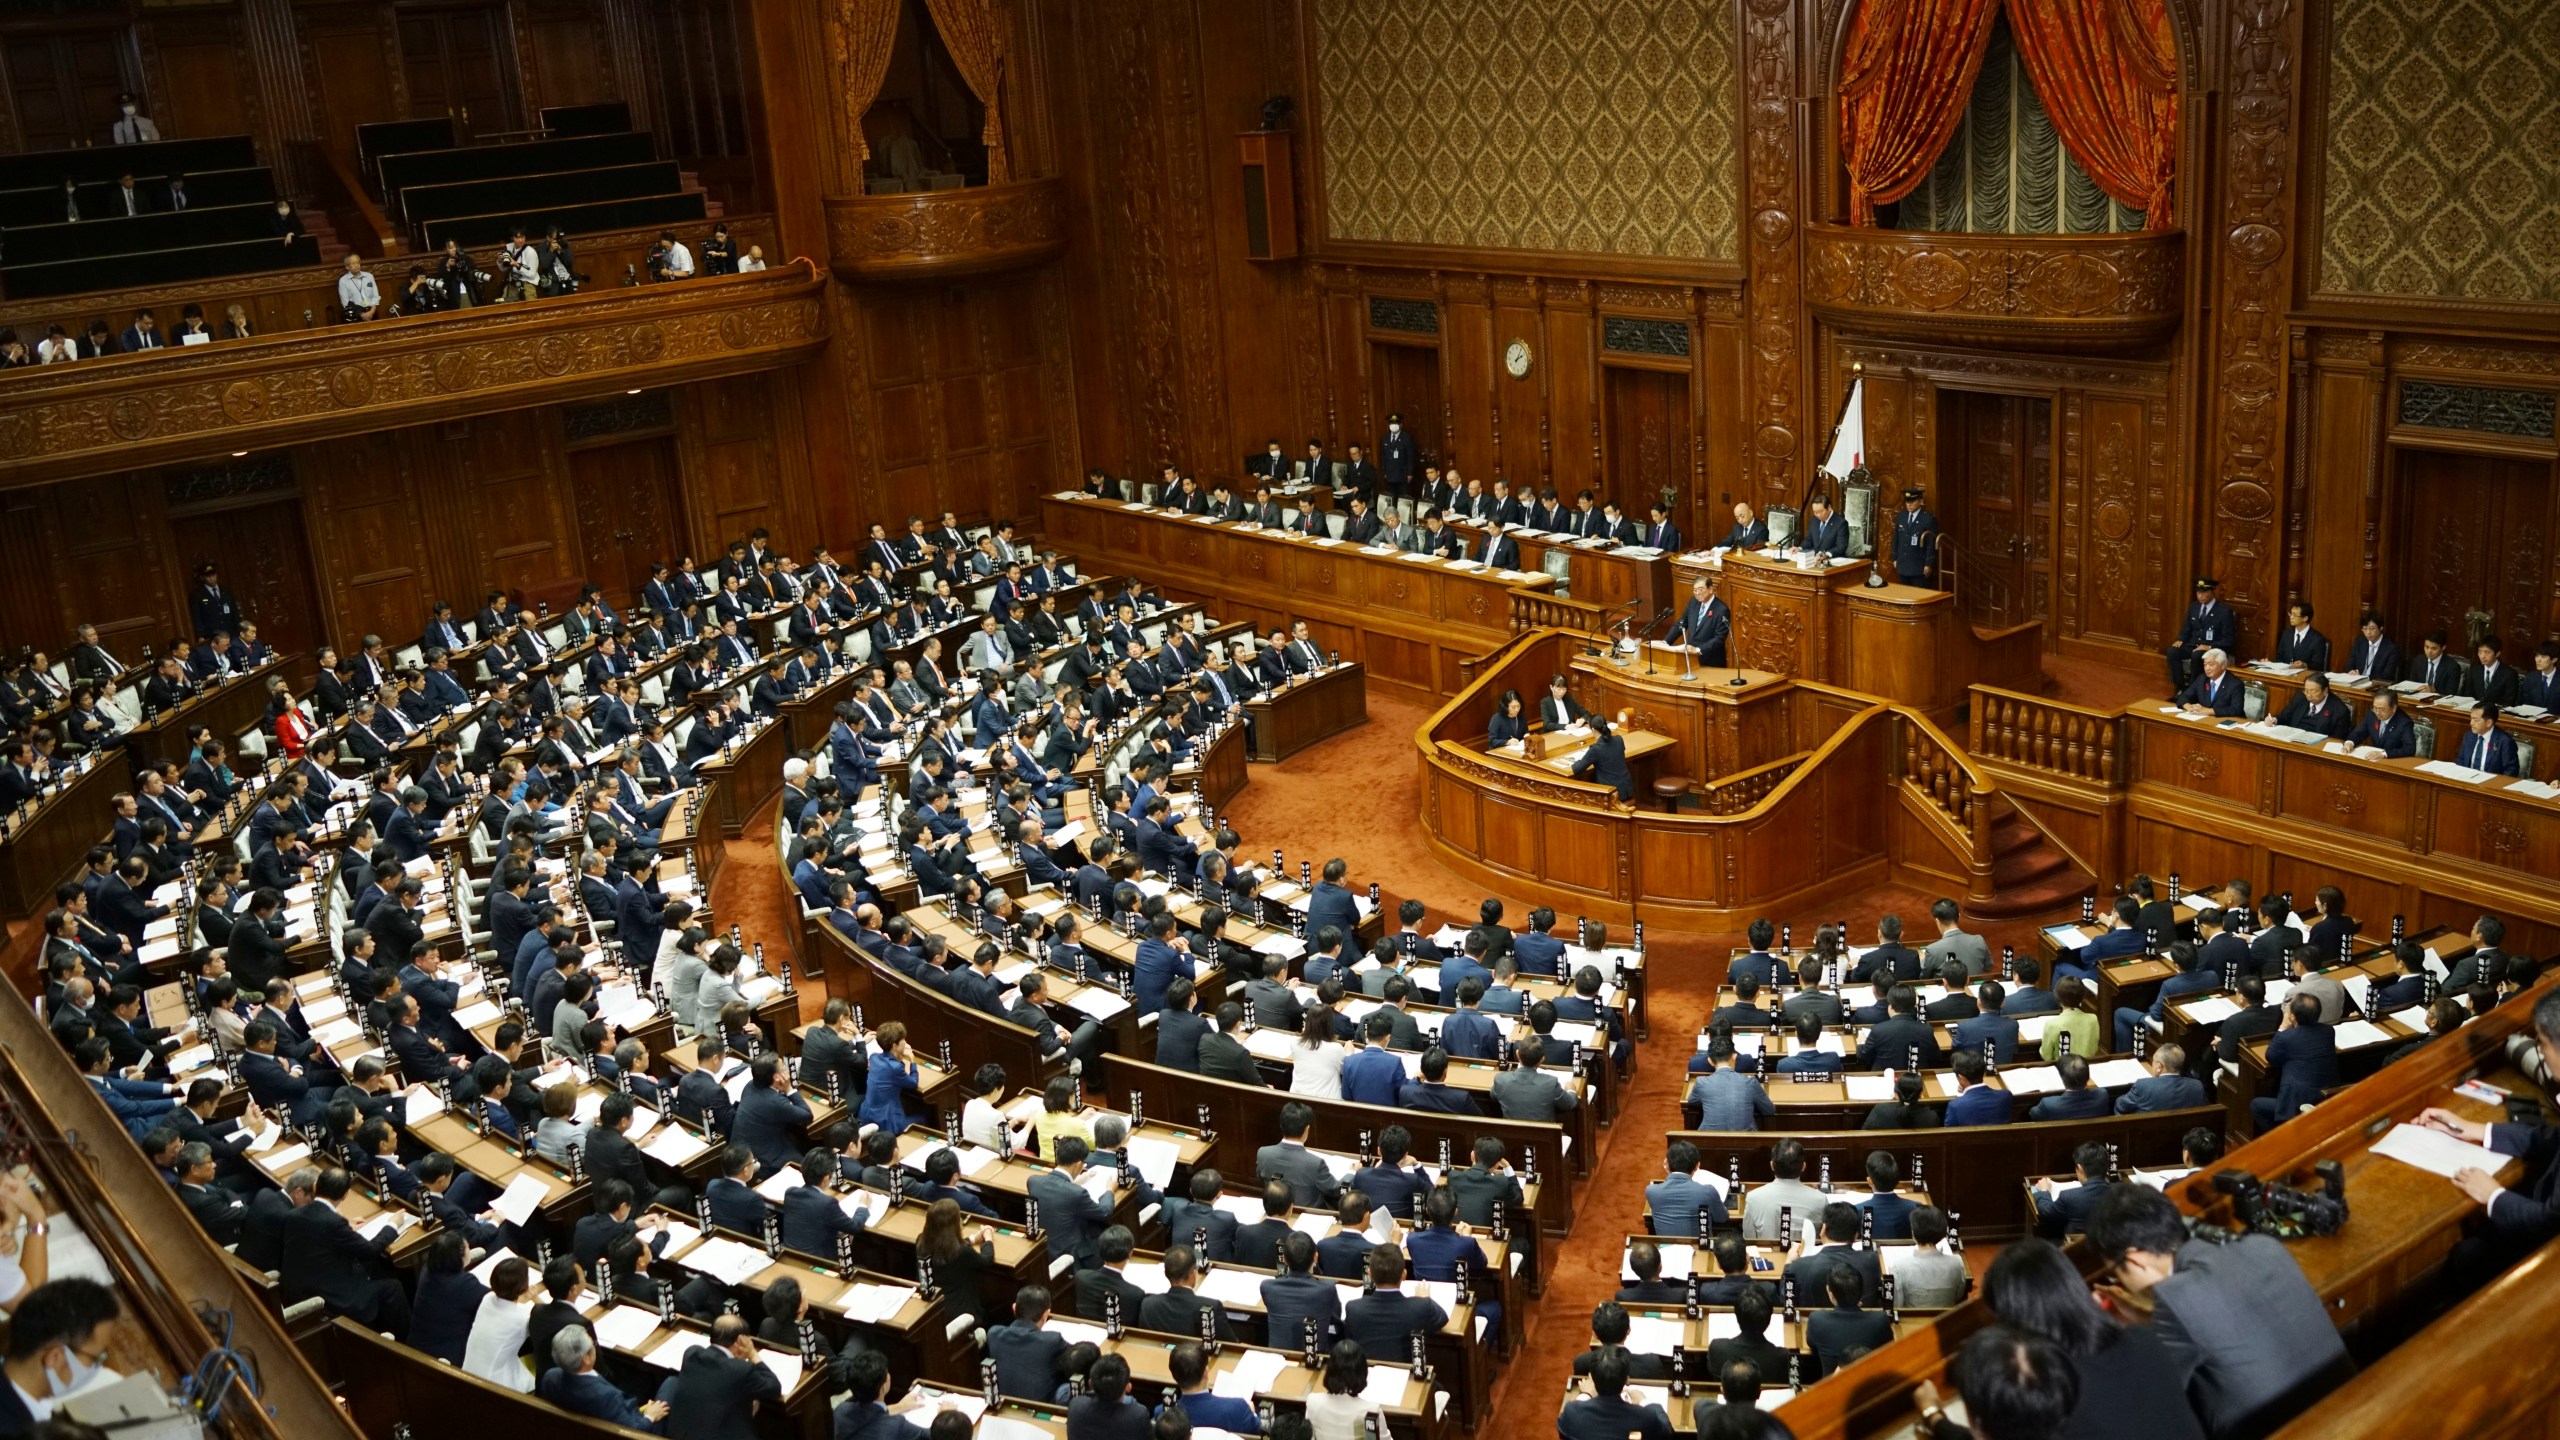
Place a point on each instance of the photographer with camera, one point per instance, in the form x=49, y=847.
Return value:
x=2247, y=1330
x=461, y=277
x=2521, y=1219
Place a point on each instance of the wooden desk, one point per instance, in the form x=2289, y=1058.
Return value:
x=1317, y=707
x=1825, y=623
x=1410, y=623
x=1220, y=767
x=43, y=845
x=750, y=775
x=2451, y=722
x=227, y=709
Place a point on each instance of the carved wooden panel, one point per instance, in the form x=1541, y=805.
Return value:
x=2112, y=554
x=2041, y=291
x=367, y=537
x=940, y=234
x=1772, y=215
x=67, y=420
x=110, y=572
x=2256, y=234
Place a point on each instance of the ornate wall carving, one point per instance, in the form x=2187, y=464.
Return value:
x=1603, y=127
x=2037, y=290
x=2443, y=163
x=2245, y=437
x=940, y=234
x=1769, y=63
x=65, y=421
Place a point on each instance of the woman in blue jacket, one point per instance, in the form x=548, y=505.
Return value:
x=893, y=1077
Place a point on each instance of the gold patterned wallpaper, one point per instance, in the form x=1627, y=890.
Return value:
x=1594, y=126
x=2444, y=150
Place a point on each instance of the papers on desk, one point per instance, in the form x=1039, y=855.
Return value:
x=675, y=1146
x=2211, y=1010
x=1270, y=1043
x=1097, y=1002
x=338, y=1031
x=1235, y=1289
x=2160, y=1179
x=670, y=1355
x=2025, y=1079
x=421, y=1105
x=2066, y=937
x=2436, y=1152
x=2415, y=1017
x=1254, y=1372
x=2355, y=1034
x=1647, y=1335
x=524, y=1195
x=2451, y=771
x=549, y=1078
x=1154, y=1159
x=760, y=989
x=2109, y=1074
x=1387, y=1384
x=725, y=1260
x=866, y=1303
x=787, y=1179
x=2535, y=788
x=282, y=1161
x=785, y=1365
x=1287, y=947
x=625, y=1327
x=1677, y=1259
x=1867, y=1089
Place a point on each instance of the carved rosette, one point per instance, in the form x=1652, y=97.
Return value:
x=1766, y=637
x=2056, y=291
x=938, y=234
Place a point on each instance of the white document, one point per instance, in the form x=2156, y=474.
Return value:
x=1864, y=1088
x=1254, y=1373
x=626, y=1327
x=1387, y=1384
x=1650, y=1335
x=670, y=1355
x=2436, y=1152
x=2355, y=1033
x=1154, y=1159
x=422, y=1105
x=523, y=1195
x=675, y=1145
x=2212, y=1010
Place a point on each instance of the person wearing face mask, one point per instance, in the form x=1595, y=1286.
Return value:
x=132, y=127
x=57, y=1344
x=1397, y=457
x=286, y=223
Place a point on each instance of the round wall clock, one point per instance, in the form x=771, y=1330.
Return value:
x=1516, y=359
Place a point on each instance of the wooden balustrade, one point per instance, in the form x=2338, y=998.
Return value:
x=1536, y=609
x=1744, y=789
x=2051, y=738
x=1931, y=763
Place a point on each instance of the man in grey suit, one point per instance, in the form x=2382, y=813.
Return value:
x=1275, y=1005
x=1726, y=1098
x=2254, y=1337
x=1311, y=1181
x=1074, y=1219
x=1954, y=944
x=1529, y=1093
x=1786, y=1190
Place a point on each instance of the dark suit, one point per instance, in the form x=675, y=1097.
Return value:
x=2210, y=625
x=2397, y=739
x=2222, y=697
x=1026, y=1360
x=2445, y=674
x=714, y=1395
x=1606, y=762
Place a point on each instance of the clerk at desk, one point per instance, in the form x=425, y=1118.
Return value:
x=2487, y=747
x=2316, y=709
x=1606, y=761
x=1748, y=532
x=1559, y=709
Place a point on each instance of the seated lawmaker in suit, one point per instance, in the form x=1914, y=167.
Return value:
x=2437, y=669
x=2496, y=681
x=1749, y=532
x=2385, y=728
x=2487, y=747
x=2316, y=709
x=2214, y=691
x=1606, y=760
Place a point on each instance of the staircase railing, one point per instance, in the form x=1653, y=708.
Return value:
x=1952, y=793
x=1735, y=793
x=2068, y=742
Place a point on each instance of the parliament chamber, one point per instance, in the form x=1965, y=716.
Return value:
x=897, y=719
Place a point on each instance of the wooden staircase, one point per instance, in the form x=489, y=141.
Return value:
x=317, y=225
x=2029, y=874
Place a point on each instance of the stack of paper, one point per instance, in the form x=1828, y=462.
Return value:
x=1253, y=1373
x=865, y=1303
x=625, y=1327
x=2436, y=1152
x=670, y=1354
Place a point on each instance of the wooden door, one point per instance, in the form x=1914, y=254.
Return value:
x=1648, y=443
x=64, y=86
x=2467, y=545
x=628, y=517
x=1405, y=380
x=265, y=561
x=455, y=61
x=1995, y=478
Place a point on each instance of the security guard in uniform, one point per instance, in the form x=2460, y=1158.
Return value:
x=1915, y=542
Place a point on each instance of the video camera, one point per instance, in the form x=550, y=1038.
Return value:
x=2285, y=1211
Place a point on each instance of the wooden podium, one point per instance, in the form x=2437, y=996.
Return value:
x=1825, y=623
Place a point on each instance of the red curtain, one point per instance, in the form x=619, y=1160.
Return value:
x=1904, y=81
x=2106, y=71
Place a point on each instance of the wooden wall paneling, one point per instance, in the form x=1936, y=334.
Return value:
x=1519, y=406
x=460, y=59
x=197, y=64
x=520, y=511
x=111, y=569
x=1470, y=367
x=2338, y=462
x=265, y=559
x=368, y=535
x=30, y=609
x=284, y=89
x=1246, y=54
x=1719, y=395
x=567, y=50
x=732, y=479
x=63, y=81
x=350, y=55
x=1774, y=203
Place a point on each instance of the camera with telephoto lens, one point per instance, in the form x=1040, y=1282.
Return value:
x=2284, y=1211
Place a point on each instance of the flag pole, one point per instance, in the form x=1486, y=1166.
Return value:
x=1839, y=415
